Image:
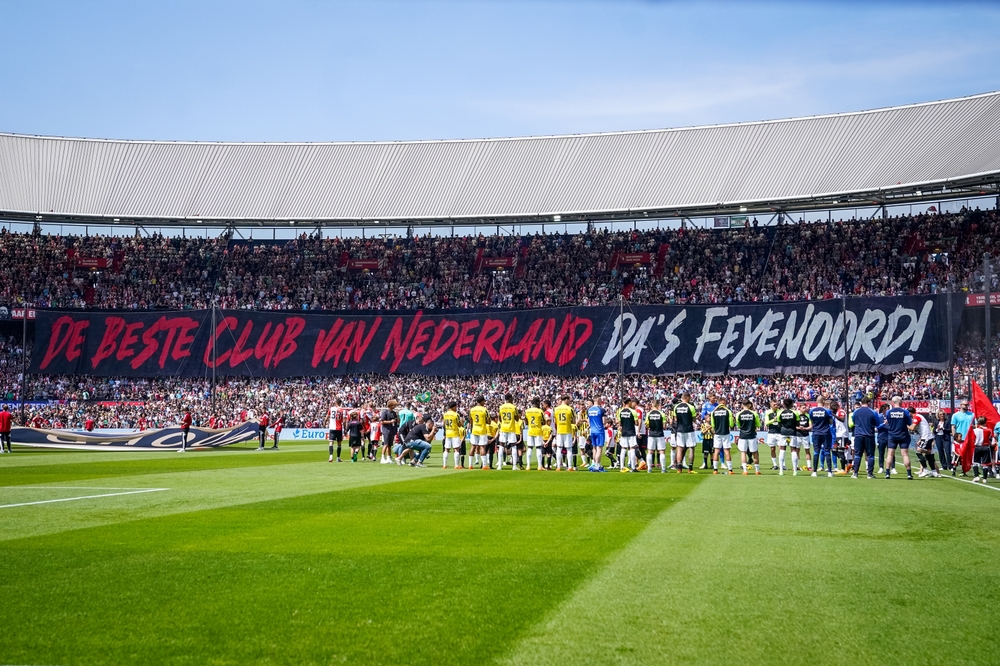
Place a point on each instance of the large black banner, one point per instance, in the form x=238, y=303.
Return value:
x=887, y=334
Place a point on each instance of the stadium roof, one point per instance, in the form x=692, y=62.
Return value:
x=921, y=152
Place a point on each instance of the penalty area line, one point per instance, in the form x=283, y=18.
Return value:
x=72, y=499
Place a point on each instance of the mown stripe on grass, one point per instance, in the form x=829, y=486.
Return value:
x=102, y=465
x=197, y=490
x=791, y=570
x=438, y=570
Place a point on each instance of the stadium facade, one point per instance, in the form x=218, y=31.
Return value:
x=927, y=152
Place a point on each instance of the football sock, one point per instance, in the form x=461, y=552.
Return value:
x=631, y=458
x=649, y=460
x=774, y=461
x=795, y=459
x=756, y=467
x=331, y=451
x=538, y=456
x=781, y=458
x=559, y=457
x=729, y=465
x=501, y=456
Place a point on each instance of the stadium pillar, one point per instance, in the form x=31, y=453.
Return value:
x=212, y=392
x=621, y=349
x=847, y=356
x=951, y=344
x=987, y=283
x=24, y=358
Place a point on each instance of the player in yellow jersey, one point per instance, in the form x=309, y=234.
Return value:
x=493, y=430
x=508, y=433
x=583, y=435
x=480, y=419
x=547, y=439
x=453, y=430
x=535, y=418
x=565, y=420
x=517, y=448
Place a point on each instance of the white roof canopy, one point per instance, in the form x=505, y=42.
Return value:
x=909, y=153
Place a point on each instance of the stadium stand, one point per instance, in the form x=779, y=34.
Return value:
x=878, y=257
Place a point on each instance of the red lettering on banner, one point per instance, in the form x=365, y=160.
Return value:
x=226, y=324
x=491, y=331
x=182, y=346
x=177, y=330
x=397, y=343
x=465, y=338
x=239, y=353
x=346, y=347
x=524, y=347
x=361, y=346
x=549, y=342
x=341, y=347
x=293, y=328
x=576, y=340
x=152, y=344
x=57, y=339
x=422, y=336
x=76, y=339
x=130, y=338
x=266, y=346
x=323, y=341
x=113, y=326
x=437, y=348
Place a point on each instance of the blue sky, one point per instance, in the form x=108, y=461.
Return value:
x=330, y=71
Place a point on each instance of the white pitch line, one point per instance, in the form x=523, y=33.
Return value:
x=71, y=488
x=979, y=485
x=70, y=499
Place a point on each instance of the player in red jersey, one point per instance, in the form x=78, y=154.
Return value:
x=263, y=422
x=185, y=429
x=336, y=428
x=6, y=423
x=279, y=423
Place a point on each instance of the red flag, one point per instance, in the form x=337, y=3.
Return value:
x=981, y=406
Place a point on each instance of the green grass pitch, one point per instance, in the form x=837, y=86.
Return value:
x=282, y=558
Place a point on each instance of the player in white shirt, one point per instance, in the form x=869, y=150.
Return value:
x=925, y=444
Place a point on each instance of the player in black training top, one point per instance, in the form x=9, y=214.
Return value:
x=788, y=420
x=684, y=437
x=748, y=422
x=657, y=442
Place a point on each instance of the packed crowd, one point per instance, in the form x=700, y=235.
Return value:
x=899, y=255
x=150, y=403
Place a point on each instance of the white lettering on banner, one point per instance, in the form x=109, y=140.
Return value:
x=822, y=320
x=790, y=340
x=634, y=341
x=836, y=350
x=726, y=347
x=877, y=335
x=706, y=334
x=673, y=342
x=914, y=332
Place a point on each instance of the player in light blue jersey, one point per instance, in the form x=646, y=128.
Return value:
x=595, y=417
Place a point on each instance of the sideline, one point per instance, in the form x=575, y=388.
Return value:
x=71, y=499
